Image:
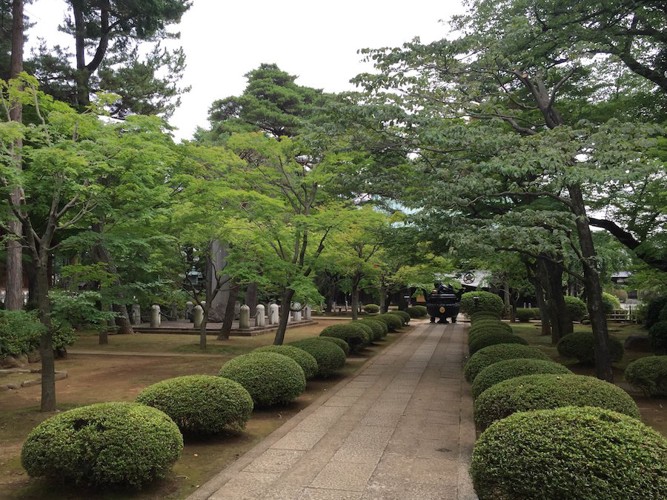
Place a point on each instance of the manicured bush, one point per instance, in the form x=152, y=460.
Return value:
x=405, y=317
x=525, y=314
x=657, y=336
x=366, y=328
x=372, y=308
x=545, y=391
x=200, y=404
x=483, y=315
x=393, y=322
x=570, y=453
x=270, y=378
x=575, y=308
x=581, y=345
x=103, y=445
x=423, y=311
x=416, y=312
x=355, y=335
x=306, y=361
x=488, y=302
x=648, y=374
x=494, y=353
x=474, y=336
x=610, y=302
x=339, y=342
x=510, y=368
x=330, y=358
x=486, y=324
x=379, y=328
x=494, y=338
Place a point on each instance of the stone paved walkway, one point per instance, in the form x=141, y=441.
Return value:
x=401, y=428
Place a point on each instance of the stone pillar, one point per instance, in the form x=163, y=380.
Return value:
x=136, y=314
x=296, y=315
x=244, y=318
x=307, y=313
x=198, y=315
x=155, y=316
x=188, y=310
x=259, y=315
x=274, y=314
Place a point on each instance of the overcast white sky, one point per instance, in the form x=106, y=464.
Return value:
x=316, y=41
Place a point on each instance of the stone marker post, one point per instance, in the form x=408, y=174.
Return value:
x=244, y=318
x=307, y=313
x=136, y=314
x=296, y=315
x=155, y=316
x=259, y=315
x=198, y=316
x=274, y=314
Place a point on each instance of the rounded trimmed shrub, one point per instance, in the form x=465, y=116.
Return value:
x=423, y=310
x=355, y=335
x=393, y=322
x=575, y=308
x=200, y=404
x=657, y=336
x=379, y=328
x=493, y=338
x=404, y=315
x=510, y=368
x=482, y=315
x=372, y=308
x=525, y=314
x=494, y=353
x=649, y=374
x=270, y=378
x=488, y=302
x=366, y=328
x=583, y=453
x=329, y=356
x=104, y=445
x=546, y=391
x=339, y=342
x=306, y=361
x=489, y=324
x=581, y=346
x=655, y=311
x=416, y=312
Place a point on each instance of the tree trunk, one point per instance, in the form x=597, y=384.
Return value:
x=288, y=294
x=228, y=318
x=383, y=302
x=14, y=272
x=603, y=368
x=48, y=400
x=251, y=298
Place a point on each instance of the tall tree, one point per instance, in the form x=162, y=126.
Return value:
x=109, y=36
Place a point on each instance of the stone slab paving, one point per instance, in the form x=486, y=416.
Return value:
x=402, y=428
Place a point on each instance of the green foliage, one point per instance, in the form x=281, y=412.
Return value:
x=547, y=391
x=657, y=335
x=416, y=311
x=371, y=308
x=487, y=302
x=575, y=308
x=648, y=374
x=525, y=314
x=510, y=368
x=654, y=310
x=581, y=346
x=103, y=445
x=610, y=302
x=492, y=354
x=583, y=453
x=79, y=310
x=330, y=358
x=366, y=328
x=490, y=338
x=200, y=404
x=393, y=322
x=270, y=378
x=19, y=332
x=306, y=361
x=483, y=315
x=339, y=342
x=486, y=324
x=355, y=336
